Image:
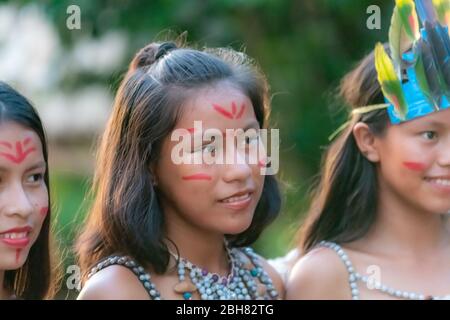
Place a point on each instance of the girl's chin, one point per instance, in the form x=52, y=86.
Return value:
x=440, y=210
x=11, y=266
x=13, y=261
x=235, y=229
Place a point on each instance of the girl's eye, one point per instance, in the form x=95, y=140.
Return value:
x=37, y=177
x=429, y=135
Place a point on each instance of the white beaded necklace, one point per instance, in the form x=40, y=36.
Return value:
x=354, y=277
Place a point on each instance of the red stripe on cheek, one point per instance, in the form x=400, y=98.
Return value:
x=44, y=211
x=198, y=176
x=262, y=163
x=414, y=166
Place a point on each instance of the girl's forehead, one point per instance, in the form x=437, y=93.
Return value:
x=19, y=145
x=225, y=104
x=11, y=130
x=440, y=119
x=223, y=92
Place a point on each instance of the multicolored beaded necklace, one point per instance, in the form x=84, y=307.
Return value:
x=247, y=279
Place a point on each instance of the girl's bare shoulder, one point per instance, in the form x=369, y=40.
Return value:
x=113, y=283
x=320, y=274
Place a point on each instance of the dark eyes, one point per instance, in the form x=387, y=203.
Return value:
x=429, y=135
x=37, y=177
x=211, y=148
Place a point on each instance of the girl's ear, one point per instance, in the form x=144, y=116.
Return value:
x=366, y=142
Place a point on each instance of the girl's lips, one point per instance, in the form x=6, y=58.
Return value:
x=442, y=185
x=17, y=243
x=238, y=202
x=16, y=237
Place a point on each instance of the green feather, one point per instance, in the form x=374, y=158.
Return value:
x=407, y=11
x=404, y=30
x=389, y=82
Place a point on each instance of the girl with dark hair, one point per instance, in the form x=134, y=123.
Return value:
x=25, y=257
x=163, y=229
x=377, y=224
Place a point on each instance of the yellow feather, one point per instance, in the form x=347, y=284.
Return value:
x=389, y=82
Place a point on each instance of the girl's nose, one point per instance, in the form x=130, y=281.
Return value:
x=238, y=169
x=17, y=202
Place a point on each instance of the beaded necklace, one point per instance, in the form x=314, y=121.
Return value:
x=247, y=279
x=240, y=284
x=354, y=277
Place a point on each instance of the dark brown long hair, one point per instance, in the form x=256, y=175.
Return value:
x=36, y=279
x=125, y=216
x=344, y=202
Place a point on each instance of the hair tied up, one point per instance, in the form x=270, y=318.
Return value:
x=164, y=49
x=150, y=54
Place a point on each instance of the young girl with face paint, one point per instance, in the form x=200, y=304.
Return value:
x=160, y=229
x=377, y=227
x=25, y=259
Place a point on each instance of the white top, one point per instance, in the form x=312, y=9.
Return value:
x=283, y=265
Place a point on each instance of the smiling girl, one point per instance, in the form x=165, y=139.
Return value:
x=25, y=266
x=377, y=227
x=163, y=229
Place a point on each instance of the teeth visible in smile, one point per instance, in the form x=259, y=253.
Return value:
x=444, y=182
x=236, y=199
x=13, y=235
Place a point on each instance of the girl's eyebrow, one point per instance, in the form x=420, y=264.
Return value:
x=39, y=165
x=438, y=124
x=433, y=123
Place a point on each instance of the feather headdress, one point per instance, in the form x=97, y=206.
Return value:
x=415, y=77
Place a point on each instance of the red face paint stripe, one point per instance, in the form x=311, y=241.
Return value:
x=222, y=111
x=198, y=176
x=415, y=166
x=6, y=144
x=262, y=163
x=44, y=211
x=232, y=114
x=26, y=141
x=191, y=130
x=20, y=154
x=19, y=158
x=241, y=112
x=233, y=108
x=18, y=255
